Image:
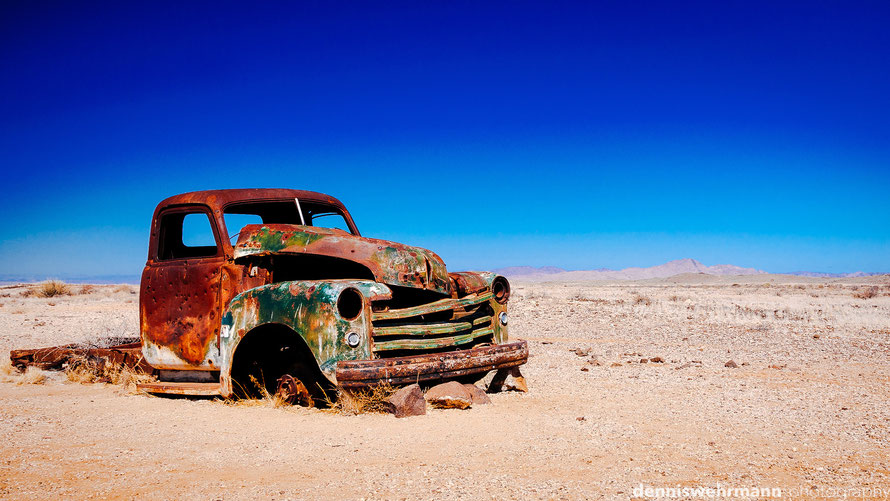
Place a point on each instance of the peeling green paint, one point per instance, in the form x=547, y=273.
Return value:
x=309, y=308
x=391, y=263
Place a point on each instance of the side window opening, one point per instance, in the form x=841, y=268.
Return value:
x=186, y=235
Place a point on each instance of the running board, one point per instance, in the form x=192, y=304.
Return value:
x=175, y=388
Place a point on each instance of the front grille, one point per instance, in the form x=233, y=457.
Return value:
x=442, y=325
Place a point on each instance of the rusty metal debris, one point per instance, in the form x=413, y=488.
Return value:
x=129, y=355
x=293, y=391
x=294, y=297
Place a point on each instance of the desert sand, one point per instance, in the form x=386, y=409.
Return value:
x=805, y=410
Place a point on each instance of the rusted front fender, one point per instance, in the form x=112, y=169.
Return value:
x=309, y=308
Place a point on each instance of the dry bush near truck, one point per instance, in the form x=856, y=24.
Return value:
x=371, y=400
x=86, y=370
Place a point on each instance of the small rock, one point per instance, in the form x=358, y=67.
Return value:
x=581, y=418
x=644, y=360
x=687, y=364
x=816, y=336
x=777, y=367
x=407, y=401
x=594, y=360
x=615, y=364
x=518, y=384
x=477, y=394
x=450, y=395
x=582, y=352
x=585, y=369
x=656, y=360
x=731, y=364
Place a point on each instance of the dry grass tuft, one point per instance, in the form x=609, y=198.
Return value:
x=87, y=370
x=641, y=300
x=265, y=399
x=10, y=374
x=372, y=400
x=867, y=293
x=87, y=289
x=50, y=288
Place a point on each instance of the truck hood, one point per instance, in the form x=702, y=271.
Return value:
x=390, y=262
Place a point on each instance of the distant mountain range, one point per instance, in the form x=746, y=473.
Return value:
x=665, y=270
x=71, y=279
x=833, y=275
x=669, y=269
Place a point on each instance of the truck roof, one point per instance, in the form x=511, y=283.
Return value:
x=220, y=198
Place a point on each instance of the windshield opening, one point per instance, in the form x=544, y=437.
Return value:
x=283, y=212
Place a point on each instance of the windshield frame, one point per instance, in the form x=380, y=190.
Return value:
x=334, y=208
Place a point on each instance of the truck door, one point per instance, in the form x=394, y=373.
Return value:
x=180, y=284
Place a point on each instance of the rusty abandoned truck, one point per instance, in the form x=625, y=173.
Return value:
x=276, y=289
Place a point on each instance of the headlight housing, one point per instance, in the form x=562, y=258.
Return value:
x=349, y=304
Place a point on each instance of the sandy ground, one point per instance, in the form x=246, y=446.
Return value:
x=805, y=411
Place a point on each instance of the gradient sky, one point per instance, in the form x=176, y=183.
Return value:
x=586, y=135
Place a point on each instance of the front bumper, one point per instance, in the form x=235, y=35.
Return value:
x=353, y=374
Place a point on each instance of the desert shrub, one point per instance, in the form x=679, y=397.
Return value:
x=674, y=298
x=8, y=373
x=866, y=293
x=11, y=374
x=266, y=398
x=641, y=300
x=371, y=400
x=50, y=288
x=87, y=289
x=98, y=370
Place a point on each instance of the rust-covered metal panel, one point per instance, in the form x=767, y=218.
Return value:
x=309, y=309
x=179, y=311
x=390, y=262
x=437, y=306
x=189, y=389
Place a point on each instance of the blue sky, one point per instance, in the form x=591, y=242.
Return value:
x=580, y=135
